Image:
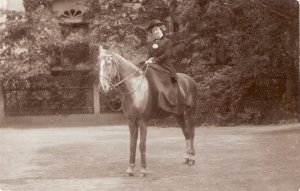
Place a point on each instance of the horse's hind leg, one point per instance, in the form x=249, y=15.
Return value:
x=133, y=128
x=181, y=121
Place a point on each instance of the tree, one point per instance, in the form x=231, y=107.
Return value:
x=28, y=42
x=243, y=54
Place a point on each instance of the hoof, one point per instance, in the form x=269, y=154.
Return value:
x=143, y=172
x=129, y=174
x=186, y=161
x=191, y=162
x=129, y=171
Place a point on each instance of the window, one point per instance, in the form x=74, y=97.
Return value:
x=72, y=13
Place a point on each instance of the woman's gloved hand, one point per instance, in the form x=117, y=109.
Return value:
x=149, y=61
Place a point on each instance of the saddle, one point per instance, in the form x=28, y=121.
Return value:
x=169, y=97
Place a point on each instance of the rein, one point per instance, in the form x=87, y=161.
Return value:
x=111, y=107
x=127, y=78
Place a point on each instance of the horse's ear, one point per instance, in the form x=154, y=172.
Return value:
x=100, y=49
x=101, y=52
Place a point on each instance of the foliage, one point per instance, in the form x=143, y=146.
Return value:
x=242, y=51
x=32, y=5
x=243, y=54
x=27, y=44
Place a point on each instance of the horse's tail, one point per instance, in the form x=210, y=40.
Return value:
x=188, y=88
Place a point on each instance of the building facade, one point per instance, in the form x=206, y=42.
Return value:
x=76, y=94
x=13, y=5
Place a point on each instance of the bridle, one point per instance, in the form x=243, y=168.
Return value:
x=115, y=86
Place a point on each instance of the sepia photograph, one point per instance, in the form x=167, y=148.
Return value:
x=149, y=95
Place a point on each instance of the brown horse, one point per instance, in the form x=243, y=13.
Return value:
x=139, y=103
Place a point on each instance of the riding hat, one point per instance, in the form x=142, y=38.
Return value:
x=154, y=23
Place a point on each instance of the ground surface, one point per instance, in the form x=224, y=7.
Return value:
x=262, y=158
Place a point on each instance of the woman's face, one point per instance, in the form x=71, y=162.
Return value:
x=157, y=32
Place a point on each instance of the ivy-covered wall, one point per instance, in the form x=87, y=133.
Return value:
x=32, y=5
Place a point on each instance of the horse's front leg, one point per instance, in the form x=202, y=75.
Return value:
x=143, y=138
x=191, y=150
x=133, y=128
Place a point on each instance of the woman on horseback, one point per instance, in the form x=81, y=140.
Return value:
x=161, y=73
x=160, y=50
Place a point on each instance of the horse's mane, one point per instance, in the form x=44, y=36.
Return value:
x=120, y=60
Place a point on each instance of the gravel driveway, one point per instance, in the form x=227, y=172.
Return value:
x=256, y=158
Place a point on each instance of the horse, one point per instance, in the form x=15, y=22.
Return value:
x=139, y=103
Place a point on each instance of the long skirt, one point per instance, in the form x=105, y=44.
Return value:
x=167, y=92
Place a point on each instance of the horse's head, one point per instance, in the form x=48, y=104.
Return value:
x=108, y=70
